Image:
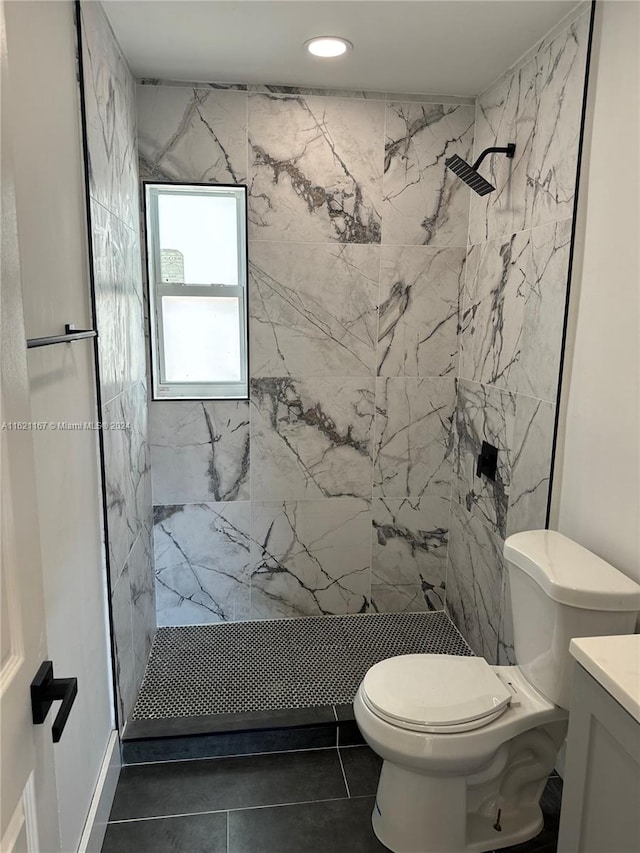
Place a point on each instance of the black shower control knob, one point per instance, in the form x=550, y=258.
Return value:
x=487, y=461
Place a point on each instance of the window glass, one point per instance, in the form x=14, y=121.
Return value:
x=196, y=249
x=198, y=239
x=201, y=339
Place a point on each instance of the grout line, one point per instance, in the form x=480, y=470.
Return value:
x=439, y=247
x=510, y=233
x=336, y=93
x=509, y=391
x=232, y=755
x=239, y=809
x=344, y=775
x=244, y=754
x=228, y=832
x=429, y=247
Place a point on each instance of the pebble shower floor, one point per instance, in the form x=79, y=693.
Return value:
x=284, y=663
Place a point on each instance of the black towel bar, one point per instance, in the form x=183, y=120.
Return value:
x=70, y=334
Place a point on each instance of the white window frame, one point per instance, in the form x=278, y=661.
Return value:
x=163, y=390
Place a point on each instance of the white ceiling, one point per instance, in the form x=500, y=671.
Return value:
x=452, y=47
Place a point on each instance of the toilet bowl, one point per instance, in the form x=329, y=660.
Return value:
x=467, y=747
x=456, y=767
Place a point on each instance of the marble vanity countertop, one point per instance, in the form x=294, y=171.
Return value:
x=615, y=663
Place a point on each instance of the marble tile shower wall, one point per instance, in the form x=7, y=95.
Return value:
x=113, y=189
x=512, y=311
x=327, y=492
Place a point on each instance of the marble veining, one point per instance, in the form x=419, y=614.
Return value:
x=315, y=169
x=418, y=314
x=413, y=439
x=182, y=84
x=544, y=310
x=311, y=437
x=143, y=600
x=202, y=562
x=366, y=305
x=530, y=464
x=109, y=100
x=484, y=413
x=522, y=429
x=560, y=73
x=111, y=118
x=310, y=557
x=313, y=309
x=127, y=473
x=424, y=203
x=199, y=451
x=504, y=113
x=123, y=659
x=271, y=89
x=475, y=582
x=117, y=263
x=511, y=328
x=538, y=106
x=493, y=311
x=513, y=309
x=192, y=134
x=410, y=539
x=506, y=654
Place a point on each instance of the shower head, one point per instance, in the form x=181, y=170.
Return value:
x=469, y=174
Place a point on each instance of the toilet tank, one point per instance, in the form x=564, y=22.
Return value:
x=559, y=590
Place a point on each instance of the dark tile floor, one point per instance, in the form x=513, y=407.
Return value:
x=318, y=801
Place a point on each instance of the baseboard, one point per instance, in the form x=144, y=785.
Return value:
x=102, y=800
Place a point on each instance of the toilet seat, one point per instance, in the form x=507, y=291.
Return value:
x=435, y=693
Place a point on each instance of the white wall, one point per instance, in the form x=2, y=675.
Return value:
x=596, y=489
x=53, y=244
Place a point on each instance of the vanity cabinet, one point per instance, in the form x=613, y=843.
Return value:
x=601, y=794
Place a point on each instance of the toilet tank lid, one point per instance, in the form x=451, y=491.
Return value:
x=569, y=573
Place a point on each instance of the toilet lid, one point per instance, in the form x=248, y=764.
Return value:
x=436, y=691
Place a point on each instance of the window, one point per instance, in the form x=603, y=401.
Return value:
x=197, y=255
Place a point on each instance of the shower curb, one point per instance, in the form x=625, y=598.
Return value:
x=288, y=730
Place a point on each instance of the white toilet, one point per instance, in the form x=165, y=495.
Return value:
x=468, y=747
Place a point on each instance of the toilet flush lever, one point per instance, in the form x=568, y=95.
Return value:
x=515, y=697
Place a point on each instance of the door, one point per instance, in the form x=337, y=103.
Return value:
x=28, y=794
x=52, y=228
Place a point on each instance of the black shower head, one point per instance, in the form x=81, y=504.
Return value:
x=469, y=174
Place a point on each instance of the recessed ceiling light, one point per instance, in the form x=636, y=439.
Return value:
x=328, y=46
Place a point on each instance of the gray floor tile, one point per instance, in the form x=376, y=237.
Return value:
x=349, y=734
x=342, y=826
x=362, y=769
x=193, y=834
x=185, y=787
x=344, y=711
